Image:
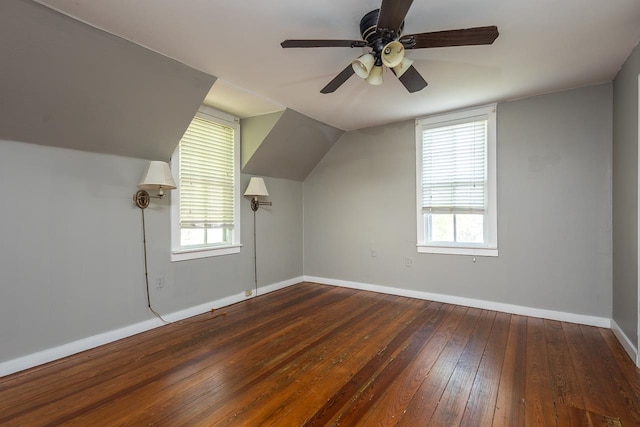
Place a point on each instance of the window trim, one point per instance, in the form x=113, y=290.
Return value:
x=181, y=254
x=491, y=217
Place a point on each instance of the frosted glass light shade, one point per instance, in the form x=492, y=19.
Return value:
x=375, y=76
x=392, y=54
x=157, y=177
x=402, y=67
x=256, y=187
x=362, y=65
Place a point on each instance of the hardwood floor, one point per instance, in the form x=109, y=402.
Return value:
x=321, y=355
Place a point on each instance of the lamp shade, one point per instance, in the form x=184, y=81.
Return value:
x=256, y=187
x=158, y=176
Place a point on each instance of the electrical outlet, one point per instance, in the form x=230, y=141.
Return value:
x=408, y=262
x=374, y=254
x=160, y=282
x=248, y=293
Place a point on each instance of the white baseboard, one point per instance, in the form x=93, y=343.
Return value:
x=51, y=354
x=602, y=322
x=64, y=350
x=280, y=285
x=626, y=343
x=48, y=355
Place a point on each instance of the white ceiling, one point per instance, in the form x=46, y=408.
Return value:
x=544, y=46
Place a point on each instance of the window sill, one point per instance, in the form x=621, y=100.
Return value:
x=196, y=253
x=454, y=250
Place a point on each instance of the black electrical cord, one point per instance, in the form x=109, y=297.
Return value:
x=146, y=272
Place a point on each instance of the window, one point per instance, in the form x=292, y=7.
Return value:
x=205, y=211
x=456, y=183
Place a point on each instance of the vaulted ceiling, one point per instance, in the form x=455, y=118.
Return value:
x=544, y=46
x=67, y=84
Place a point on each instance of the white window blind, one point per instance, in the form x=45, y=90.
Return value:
x=454, y=162
x=207, y=176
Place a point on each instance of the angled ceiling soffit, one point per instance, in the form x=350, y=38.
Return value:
x=290, y=149
x=254, y=130
x=67, y=84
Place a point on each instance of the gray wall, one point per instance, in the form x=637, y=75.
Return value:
x=71, y=261
x=554, y=206
x=71, y=256
x=625, y=197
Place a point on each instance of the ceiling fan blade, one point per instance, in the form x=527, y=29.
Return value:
x=392, y=13
x=323, y=43
x=338, y=80
x=462, y=37
x=412, y=80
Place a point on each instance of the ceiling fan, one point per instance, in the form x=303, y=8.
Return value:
x=381, y=31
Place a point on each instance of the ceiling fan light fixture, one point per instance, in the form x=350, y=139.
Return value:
x=392, y=54
x=402, y=67
x=382, y=33
x=375, y=76
x=363, y=64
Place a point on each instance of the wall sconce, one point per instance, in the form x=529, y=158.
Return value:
x=255, y=189
x=157, y=177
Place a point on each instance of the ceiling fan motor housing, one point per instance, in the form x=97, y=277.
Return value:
x=377, y=38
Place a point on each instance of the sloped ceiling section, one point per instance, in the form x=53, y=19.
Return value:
x=285, y=144
x=254, y=131
x=66, y=84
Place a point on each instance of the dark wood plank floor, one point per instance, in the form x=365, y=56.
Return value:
x=320, y=355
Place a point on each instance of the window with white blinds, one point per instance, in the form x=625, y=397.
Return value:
x=206, y=211
x=207, y=175
x=454, y=167
x=456, y=182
